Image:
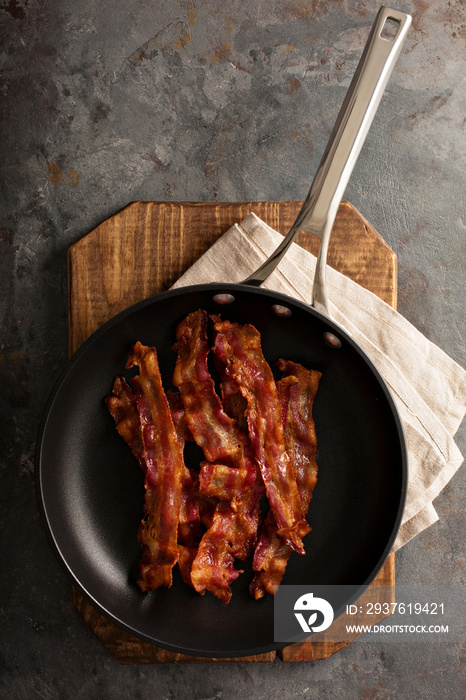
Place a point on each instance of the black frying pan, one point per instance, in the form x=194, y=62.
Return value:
x=91, y=489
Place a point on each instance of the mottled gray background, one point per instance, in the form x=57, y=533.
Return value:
x=105, y=102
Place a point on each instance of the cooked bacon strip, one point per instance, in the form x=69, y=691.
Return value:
x=270, y=560
x=300, y=432
x=240, y=345
x=185, y=562
x=207, y=506
x=212, y=568
x=233, y=402
x=123, y=409
x=232, y=535
x=122, y=406
x=296, y=392
x=225, y=495
x=225, y=483
x=235, y=405
x=189, y=527
x=163, y=457
x=179, y=417
x=246, y=526
x=233, y=530
x=215, y=432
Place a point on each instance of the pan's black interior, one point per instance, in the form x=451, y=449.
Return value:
x=91, y=488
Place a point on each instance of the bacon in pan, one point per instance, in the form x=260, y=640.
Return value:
x=189, y=527
x=213, y=566
x=179, y=417
x=258, y=438
x=123, y=408
x=212, y=429
x=249, y=483
x=296, y=392
x=232, y=535
x=240, y=346
x=165, y=469
x=230, y=472
x=225, y=483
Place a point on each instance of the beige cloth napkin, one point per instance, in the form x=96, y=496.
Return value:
x=428, y=387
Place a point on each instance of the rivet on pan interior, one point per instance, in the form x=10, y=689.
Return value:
x=223, y=298
x=332, y=340
x=280, y=310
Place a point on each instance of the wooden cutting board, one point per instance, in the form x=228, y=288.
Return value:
x=141, y=251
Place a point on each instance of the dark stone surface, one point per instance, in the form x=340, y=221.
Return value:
x=103, y=103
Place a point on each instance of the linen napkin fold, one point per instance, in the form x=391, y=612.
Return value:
x=428, y=387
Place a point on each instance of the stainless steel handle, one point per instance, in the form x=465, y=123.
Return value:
x=318, y=212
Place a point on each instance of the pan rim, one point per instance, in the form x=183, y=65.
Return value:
x=215, y=287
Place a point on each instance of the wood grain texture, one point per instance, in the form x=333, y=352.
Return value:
x=144, y=248
x=141, y=251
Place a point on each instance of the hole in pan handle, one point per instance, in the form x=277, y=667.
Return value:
x=320, y=207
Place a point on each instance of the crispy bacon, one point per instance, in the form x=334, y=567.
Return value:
x=207, y=506
x=123, y=409
x=163, y=457
x=185, y=562
x=296, y=391
x=215, y=432
x=300, y=432
x=258, y=438
x=212, y=568
x=189, y=526
x=233, y=402
x=233, y=530
x=235, y=406
x=240, y=345
x=232, y=535
x=179, y=417
x=122, y=406
x=225, y=483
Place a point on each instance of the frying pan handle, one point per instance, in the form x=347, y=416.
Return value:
x=318, y=212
